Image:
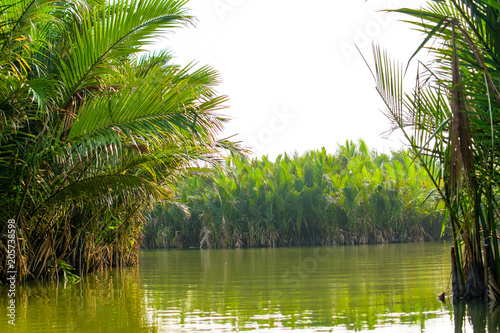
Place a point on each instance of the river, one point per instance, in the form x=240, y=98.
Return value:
x=379, y=288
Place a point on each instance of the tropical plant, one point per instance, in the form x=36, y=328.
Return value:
x=450, y=120
x=356, y=196
x=94, y=128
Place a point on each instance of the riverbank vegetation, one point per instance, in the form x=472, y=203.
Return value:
x=355, y=196
x=93, y=129
x=452, y=115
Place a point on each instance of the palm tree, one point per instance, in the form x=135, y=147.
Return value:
x=450, y=121
x=355, y=196
x=94, y=128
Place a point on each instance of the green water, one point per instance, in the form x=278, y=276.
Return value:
x=385, y=288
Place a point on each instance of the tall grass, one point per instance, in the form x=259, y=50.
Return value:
x=355, y=196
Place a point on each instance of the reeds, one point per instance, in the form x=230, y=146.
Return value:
x=356, y=196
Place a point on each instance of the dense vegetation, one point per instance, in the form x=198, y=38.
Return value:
x=453, y=115
x=356, y=196
x=93, y=129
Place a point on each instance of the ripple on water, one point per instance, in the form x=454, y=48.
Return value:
x=389, y=288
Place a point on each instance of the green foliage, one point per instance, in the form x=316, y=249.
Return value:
x=93, y=129
x=451, y=117
x=353, y=197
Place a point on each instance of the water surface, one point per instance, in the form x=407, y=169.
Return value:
x=382, y=288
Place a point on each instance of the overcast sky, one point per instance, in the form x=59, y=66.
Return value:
x=290, y=68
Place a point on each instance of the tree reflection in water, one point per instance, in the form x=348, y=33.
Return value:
x=483, y=317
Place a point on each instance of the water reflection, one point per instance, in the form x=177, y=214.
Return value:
x=105, y=302
x=391, y=288
x=350, y=288
x=478, y=315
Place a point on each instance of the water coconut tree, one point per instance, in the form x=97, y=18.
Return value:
x=450, y=120
x=94, y=128
x=356, y=196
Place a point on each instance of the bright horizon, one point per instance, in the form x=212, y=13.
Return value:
x=294, y=78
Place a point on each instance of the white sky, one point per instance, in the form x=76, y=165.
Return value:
x=290, y=69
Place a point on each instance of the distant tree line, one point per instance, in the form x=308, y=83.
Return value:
x=355, y=196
